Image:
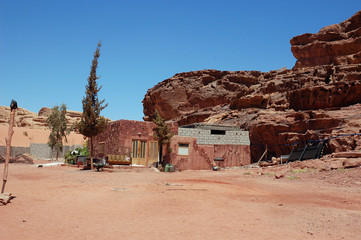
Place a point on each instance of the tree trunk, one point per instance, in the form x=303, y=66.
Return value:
x=160, y=152
x=8, y=147
x=91, y=153
x=57, y=154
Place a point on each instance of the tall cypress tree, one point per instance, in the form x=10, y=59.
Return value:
x=57, y=124
x=91, y=123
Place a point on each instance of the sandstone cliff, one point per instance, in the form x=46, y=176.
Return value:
x=25, y=118
x=319, y=98
x=336, y=44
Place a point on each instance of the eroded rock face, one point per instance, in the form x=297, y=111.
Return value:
x=191, y=91
x=301, y=89
x=25, y=118
x=336, y=44
x=319, y=98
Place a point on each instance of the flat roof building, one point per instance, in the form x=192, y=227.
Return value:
x=194, y=146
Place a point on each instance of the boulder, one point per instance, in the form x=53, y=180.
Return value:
x=352, y=162
x=347, y=155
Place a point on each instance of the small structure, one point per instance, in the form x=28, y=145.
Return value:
x=195, y=146
x=127, y=139
x=201, y=146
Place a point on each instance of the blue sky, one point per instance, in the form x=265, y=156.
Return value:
x=46, y=47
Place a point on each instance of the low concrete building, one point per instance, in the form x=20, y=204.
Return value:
x=201, y=146
x=196, y=146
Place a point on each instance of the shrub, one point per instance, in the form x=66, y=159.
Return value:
x=71, y=155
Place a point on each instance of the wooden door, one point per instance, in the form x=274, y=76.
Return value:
x=139, y=152
x=153, y=152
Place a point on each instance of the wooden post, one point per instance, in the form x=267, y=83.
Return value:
x=13, y=108
x=91, y=153
x=266, y=152
x=262, y=156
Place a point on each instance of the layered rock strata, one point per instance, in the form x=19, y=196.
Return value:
x=337, y=44
x=25, y=118
x=319, y=98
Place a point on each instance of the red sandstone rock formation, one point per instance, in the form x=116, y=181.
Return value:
x=318, y=99
x=336, y=44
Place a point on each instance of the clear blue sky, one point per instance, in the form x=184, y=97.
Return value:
x=46, y=46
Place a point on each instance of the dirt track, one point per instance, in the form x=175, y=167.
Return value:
x=65, y=203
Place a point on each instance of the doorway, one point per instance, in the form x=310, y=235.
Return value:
x=139, y=152
x=144, y=152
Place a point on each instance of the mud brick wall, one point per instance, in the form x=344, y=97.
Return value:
x=202, y=156
x=118, y=136
x=197, y=159
x=110, y=137
x=233, y=155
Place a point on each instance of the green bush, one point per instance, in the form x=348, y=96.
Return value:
x=80, y=151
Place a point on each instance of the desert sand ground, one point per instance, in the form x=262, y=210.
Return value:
x=63, y=202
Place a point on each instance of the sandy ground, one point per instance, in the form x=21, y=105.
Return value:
x=63, y=202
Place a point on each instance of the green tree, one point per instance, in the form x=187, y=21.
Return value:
x=57, y=124
x=91, y=123
x=161, y=132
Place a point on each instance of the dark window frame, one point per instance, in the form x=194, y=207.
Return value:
x=218, y=132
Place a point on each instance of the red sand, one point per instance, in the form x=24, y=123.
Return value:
x=62, y=202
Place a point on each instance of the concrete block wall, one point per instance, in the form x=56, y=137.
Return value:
x=14, y=151
x=38, y=150
x=43, y=151
x=204, y=136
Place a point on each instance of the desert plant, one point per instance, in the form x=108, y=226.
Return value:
x=91, y=123
x=57, y=124
x=80, y=151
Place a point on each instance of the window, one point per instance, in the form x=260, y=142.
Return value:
x=101, y=147
x=183, y=149
x=218, y=132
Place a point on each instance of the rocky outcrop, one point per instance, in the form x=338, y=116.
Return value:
x=302, y=89
x=336, y=44
x=71, y=115
x=188, y=92
x=25, y=118
x=319, y=98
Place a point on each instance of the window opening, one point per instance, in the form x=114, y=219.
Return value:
x=218, y=132
x=183, y=149
x=101, y=147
